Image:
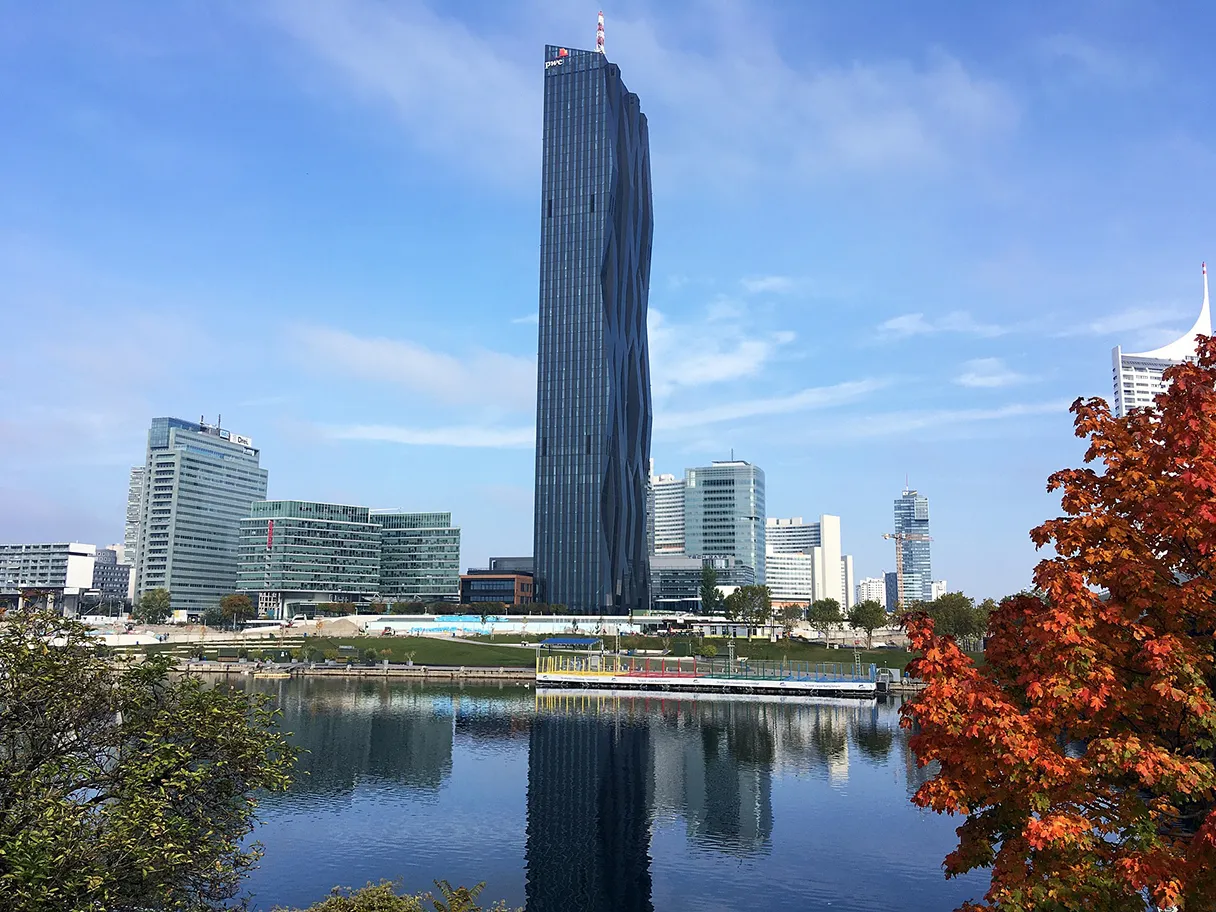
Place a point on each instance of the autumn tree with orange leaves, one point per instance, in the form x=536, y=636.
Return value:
x=1083, y=751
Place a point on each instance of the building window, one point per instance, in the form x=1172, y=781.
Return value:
x=549, y=209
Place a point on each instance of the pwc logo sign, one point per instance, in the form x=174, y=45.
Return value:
x=562, y=54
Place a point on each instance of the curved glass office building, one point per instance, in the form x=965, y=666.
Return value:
x=593, y=408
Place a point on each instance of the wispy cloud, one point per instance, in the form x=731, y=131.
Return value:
x=773, y=284
x=532, y=318
x=476, y=377
x=805, y=400
x=455, y=91
x=958, y=321
x=695, y=354
x=469, y=436
x=1082, y=59
x=896, y=423
x=989, y=373
x=1128, y=320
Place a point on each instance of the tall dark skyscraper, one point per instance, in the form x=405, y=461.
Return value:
x=593, y=373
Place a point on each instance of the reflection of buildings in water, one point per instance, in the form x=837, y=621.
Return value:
x=588, y=823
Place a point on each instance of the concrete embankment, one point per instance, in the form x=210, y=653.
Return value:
x=414, y=672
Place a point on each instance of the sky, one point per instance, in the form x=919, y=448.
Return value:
x=892, y=244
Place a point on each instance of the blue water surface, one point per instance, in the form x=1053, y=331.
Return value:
x=597, y=802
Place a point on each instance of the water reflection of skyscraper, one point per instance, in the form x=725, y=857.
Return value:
x=588, y=837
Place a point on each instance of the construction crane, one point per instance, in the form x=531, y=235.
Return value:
x=899, y=538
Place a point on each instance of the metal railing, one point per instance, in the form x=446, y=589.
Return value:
x=609, y=664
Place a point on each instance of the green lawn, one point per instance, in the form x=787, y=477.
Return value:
x=433, y=651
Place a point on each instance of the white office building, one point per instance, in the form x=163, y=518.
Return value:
x=872, y=588
x=937, y=589
x=1137, y=375
x=790, y=577
x=135, y=507
x=62, y=571
x=833, y=571
x=724, y=513
x=199, y=483
x=665, y=513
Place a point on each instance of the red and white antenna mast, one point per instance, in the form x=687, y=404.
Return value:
x=599, y=34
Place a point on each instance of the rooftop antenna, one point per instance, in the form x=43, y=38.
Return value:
x=732, y=454
x=599, y=34
x=907, y=483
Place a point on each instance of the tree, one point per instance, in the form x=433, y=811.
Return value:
x=123, y=786
x=237, y=608
x=153, y=607
x=711, y=599
x=868, y=616
x=789, y=616
x=823, y=615
x=383, y=897
x=751, y=605
x=1083, y=751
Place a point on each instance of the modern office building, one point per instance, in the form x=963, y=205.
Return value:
x=790, y=577
x=496, y=586
x=872, y=589
x=419, y=556
x=665, y=514
x=846, y=582
x=1137, y=375
x=724, y=513
x=832, y=570
x=593, y=407
x=294, y=554
x=62, y=572
x=200, y=481
x=135, y=506
x=891, y=587
x=912, y=518
x=512, y=564
x=111, y=577
x=675, y=579
x=938, y=588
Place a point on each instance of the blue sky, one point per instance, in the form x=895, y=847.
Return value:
x=888, y=241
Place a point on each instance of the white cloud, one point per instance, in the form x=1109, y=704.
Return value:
x=696, y=354
x=1084, y=60
x=456, y=92
x=988, y=373
x=805, y=400
x=1128, y=320
x=470, y=436
x=775, y=284
x=714, y=108
x=889, y=424
x=477, y=377
x=532, y=319
x=958, y=321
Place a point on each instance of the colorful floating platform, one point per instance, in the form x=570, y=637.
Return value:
x=705, y=675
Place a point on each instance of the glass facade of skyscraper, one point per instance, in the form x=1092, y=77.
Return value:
x=419, y=556
x=912, y=518
x=199, y=483
x=724, y=513
x=294, y=550
x=593, y=410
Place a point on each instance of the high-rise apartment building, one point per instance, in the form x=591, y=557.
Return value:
x=593, y=409
x=135, y=506
x=872, y=589
x=1137, y=375
x=912, y=519
x=665, y=514
x=419, y=556
x=295, y=552
x=724, y=513
x=846, y=582
x=199, y=483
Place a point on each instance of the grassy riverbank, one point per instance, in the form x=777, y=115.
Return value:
x=420, y=650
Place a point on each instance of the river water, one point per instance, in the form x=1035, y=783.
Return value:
x=573, y=801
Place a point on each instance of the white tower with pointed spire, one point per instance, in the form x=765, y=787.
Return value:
x=1137, y=375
